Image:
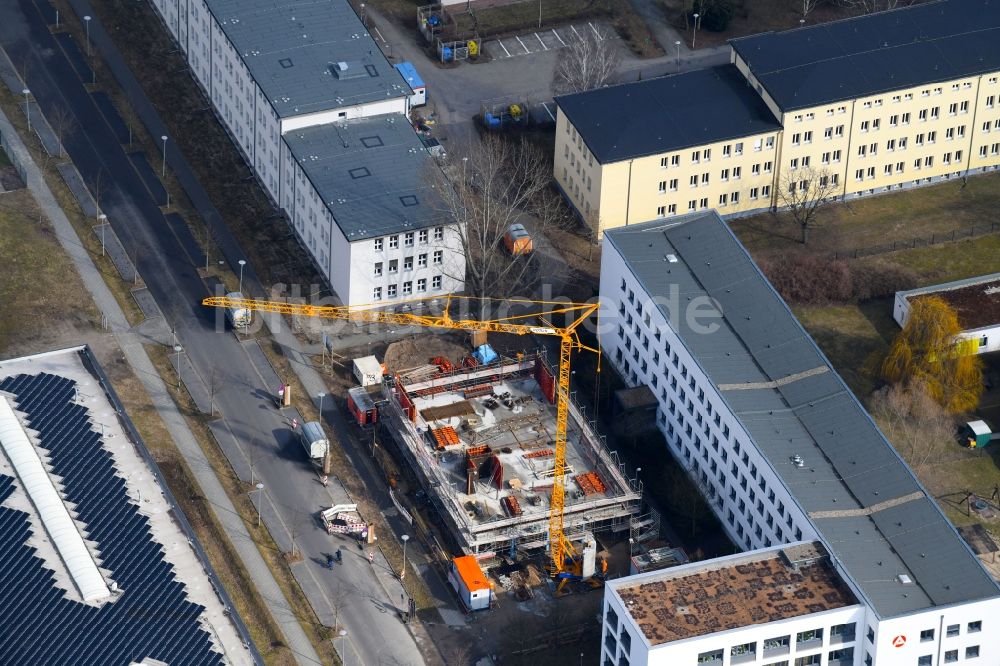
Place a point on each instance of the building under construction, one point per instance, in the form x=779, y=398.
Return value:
x=481, y=439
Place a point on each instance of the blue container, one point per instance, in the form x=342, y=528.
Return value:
x=491, y=121
x=447, y=54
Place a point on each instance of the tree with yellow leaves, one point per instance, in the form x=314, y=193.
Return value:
x=925, y=352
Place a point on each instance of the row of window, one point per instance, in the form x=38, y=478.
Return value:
x=438, y=259
x=728, y=150
x=407, y=288
x=725, y=199
x=804, y=640
x=408, y=239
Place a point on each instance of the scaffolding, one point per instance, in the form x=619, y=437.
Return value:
x=485, y=520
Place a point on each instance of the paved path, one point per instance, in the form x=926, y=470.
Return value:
x=26, y=40
x=244, y=398
x=134, y=352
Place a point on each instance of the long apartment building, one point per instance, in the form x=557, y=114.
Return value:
x=867, y=105
x=784, y=454
x=321, y=117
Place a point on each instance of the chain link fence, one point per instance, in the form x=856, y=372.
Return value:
x=974, y=231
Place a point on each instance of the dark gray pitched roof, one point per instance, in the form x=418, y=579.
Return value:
x=374, y=175
x=907, y=47
x=291, y=46
x=849, y=465
x=668, y=113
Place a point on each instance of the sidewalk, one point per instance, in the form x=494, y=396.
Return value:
x=135, y=354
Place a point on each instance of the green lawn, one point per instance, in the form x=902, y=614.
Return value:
x=918, y=213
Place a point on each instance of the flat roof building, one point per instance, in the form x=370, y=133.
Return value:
x=99, y=564
x=975, y=300
x=775, y=440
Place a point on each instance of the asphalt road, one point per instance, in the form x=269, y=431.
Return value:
x=374, y=635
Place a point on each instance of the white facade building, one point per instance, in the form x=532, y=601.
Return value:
x=975, y=300
x=274, y=68
x=778, y=444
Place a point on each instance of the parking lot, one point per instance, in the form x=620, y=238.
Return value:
x=544, y=40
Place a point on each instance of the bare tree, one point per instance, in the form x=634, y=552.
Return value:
x=213, y=387
x=586, y=63
x=913, y=421
x=872, y=6
x=96, y=186
x=803, y=192
x=496, y=183
x=808, y=6
x=62, y=123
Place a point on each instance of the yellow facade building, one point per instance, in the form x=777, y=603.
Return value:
x=865, y=106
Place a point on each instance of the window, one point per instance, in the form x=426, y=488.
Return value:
x=795, y=163
x=828, y=133
x=865, y=125
x=723, y=199
x=724, y=176
x=422, y=260
x=675, y=160
x=407, y=288
x=707, y=154
x=871, y=635
x=661, y=211
x=842, y=656
x=842, y=632
x=741, y=653
x=754, y=192
x=393, y=242
x=726, y=150
x=807, y=137
x=392, y=291
x=663, y=186
x=377, y=294
x=378, y=244
x=894, y=119
x=765, y=191
x=922, y=116
x=422, y=284
x=811, y=660
x=974, y=627
x=952, y=630
x=713, y=657
x=407, y=263
x=696, y=156
x=408, y=239
x=673, y=184
x=703, y=203
x=778, y=645
x=925, y=660
x=755, y=170
x=436, y=282
x=438, y=233
x=694, y=180
x=768, y=167
x=423, y=236
x=951, y=656
x=926, y=635
x=704, y=178
x=972, y=652
x=796, y=138
x=663, y=162
x=393, y=266
x=378, y=268
x=438, y=257
x=805, y=638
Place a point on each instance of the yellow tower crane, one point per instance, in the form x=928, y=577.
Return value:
x=537, y=322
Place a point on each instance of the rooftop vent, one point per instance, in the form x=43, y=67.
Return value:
x=672, y=258
x=904, y=579
x=350, y=70
x=798, y=461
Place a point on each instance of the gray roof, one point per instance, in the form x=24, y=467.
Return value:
x=668, y=113
x=292, y=46
x=880, y=522
x=922, y=44
x=374, y=175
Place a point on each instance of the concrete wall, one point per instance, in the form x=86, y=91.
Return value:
x=937, y=644
x=744, y=491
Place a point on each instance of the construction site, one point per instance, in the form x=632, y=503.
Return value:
x=481, y=440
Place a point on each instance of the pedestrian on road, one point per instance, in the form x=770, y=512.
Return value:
x=295, y=424
x=371, y=557
x=324, y=479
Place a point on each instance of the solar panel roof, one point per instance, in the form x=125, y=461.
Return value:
x=292, y=47
x=374, y=175
x=830, y=62
x=151, y=615
x=667, y=113
x=863, y=500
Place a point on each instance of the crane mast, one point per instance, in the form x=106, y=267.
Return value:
x=537, y=322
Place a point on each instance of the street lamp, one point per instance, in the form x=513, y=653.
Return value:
x=163, y=169
x=694, y=34
x=636, y=477
x=402, y=574
x=260, y=502
x=178, y=349
x=343, y=645
x=363, y=14
x=104, y=223
x=321, y=396
x=678, y=45
x=27, y=109
x=86, y=22
x=242, y=263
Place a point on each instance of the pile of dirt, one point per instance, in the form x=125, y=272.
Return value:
x=420, y=349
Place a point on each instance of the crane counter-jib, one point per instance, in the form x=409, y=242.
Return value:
x=520, y=323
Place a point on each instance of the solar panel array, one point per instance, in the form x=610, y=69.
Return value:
x=151, y=618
